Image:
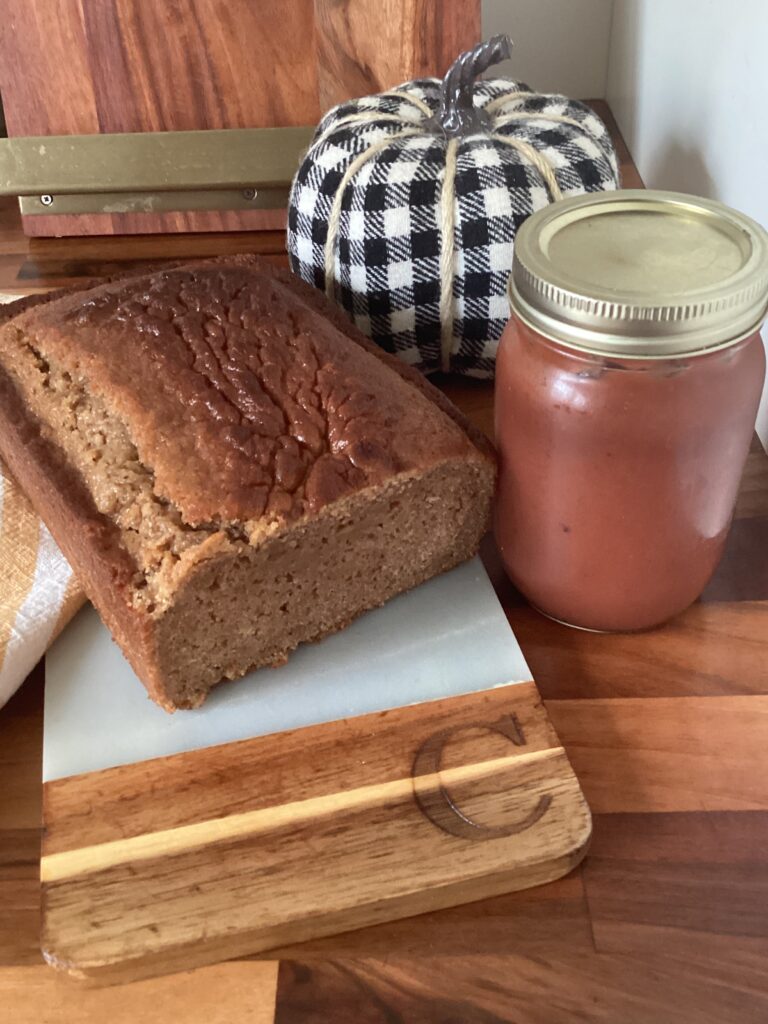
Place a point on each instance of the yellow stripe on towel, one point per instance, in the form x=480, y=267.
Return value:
x=19, y=544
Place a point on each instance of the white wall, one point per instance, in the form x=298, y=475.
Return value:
x=560, y=45
x=688, y=83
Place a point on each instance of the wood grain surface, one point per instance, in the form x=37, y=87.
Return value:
x=185, y=860
x=371, y=46
x=86, y=66
x=665, y=921
x=215, y=995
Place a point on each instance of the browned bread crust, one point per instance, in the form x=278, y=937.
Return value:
x=186, y=431
x=317, y=301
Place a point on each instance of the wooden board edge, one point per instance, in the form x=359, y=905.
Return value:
x=506, y=864
x=254, y=943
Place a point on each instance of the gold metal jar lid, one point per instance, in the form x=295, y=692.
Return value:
x=641, y=273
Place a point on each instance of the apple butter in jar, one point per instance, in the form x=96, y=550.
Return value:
x=627, y=385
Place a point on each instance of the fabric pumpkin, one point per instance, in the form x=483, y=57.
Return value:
x=423, y=188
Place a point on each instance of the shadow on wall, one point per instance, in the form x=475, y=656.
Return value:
x=681, y=168
x=559, y=45
x=624, y=65
x=686, y=85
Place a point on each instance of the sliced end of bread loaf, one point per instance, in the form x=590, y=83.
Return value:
x=246, y=607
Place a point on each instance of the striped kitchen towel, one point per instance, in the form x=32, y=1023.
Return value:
x=39, y=594
x=38, y=591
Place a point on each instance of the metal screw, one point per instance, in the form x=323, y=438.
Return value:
x=46, y=200
x=249, y=193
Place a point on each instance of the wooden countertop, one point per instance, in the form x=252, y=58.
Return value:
x=666, y=920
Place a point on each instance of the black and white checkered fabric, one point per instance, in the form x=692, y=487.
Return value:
x=386, y=267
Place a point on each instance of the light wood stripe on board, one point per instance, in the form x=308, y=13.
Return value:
x=55, y=867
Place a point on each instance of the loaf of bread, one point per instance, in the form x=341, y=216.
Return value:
x=229, y=466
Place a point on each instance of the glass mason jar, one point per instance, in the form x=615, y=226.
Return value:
x=627, y=385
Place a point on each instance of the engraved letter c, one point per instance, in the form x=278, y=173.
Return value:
x=435, y=801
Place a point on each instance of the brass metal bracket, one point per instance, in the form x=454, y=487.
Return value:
x=156, y=202
x=218, y=169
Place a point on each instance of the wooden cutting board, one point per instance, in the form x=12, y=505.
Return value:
x=69, y=67
x=403, y=765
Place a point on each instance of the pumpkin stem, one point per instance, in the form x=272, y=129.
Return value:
x=457, y=114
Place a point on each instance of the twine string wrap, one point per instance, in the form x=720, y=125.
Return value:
x=415, y=240
x=447, y=254
x=447, y=202
x=501, y=101
x=334, y=219
x=539, y=161
x=524, y=115
x=398, y=94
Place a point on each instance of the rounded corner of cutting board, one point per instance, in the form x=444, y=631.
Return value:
x=59, y=961
x=578, y=849
x=384, y=780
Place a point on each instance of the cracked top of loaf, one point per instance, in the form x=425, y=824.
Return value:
x=242, y=403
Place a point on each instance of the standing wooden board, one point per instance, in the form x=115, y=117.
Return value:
x=100, y=66
x=210, y=854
